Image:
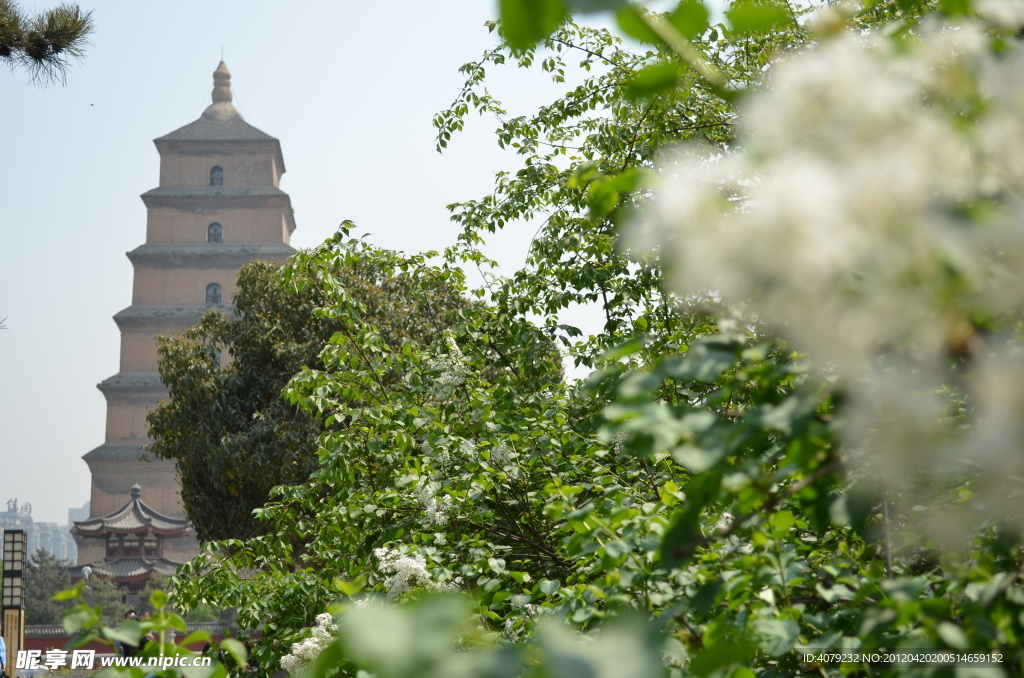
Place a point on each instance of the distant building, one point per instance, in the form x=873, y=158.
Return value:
x=47, y=536
x=218, y=206
x=80, y=513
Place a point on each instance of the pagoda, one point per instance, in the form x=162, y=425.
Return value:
x=218, y=206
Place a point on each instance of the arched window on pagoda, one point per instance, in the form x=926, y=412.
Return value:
x=216, y=176
x=212, y=294
x=214, y=233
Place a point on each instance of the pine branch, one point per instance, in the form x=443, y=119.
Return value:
x=46, y=44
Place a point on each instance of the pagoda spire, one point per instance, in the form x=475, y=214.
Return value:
x=222, y=84
x=221, y=108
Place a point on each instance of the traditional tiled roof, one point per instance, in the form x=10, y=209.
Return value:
x=58, y=631
x=135, y=516
x=220, y=121
x=207, y=129
x=123, y=569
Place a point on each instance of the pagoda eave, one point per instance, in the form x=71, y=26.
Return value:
x=206, y=255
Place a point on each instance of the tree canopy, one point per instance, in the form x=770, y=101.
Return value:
x=46, y=576
x=224, y=424
x=799, y=428
x=44, y=44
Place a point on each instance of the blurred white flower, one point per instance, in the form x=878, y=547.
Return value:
x=1006, y=14
x=850, y=224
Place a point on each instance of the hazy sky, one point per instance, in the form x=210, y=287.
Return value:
x=350, y=90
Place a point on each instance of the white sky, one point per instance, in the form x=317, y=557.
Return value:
x=350, y=90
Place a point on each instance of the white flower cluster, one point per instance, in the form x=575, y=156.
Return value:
x=501, y=455
x=405, y=573
x=436, y=510
x=876, y=204
x=732, y=543
x=306, y=651
x=451, y=370
x=514, y=626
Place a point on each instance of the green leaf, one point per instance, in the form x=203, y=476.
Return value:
x=690, y=18
x=70, y=594
x=524, y=23
x=697, y=459
x=601, y=198
x=616, y=548
x=722, y=654
x=681, y=540
x=854, y=507
x=705, y=361
x=956, y=7
x=349, y=588
x=779, y=636
x=653, y=80
x=77, y=618
x=749, y=18
x=128, y=632
x=953, y=636
x=782, y=521
x=685, y=534
x=632, y=22
x=550, y=586
x=158, y=599
x=194, y=638
x=236, y=649
x=587, y=6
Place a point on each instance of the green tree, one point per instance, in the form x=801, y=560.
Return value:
x=46, y=43
x=231, y=435
x=484, y=465
x=104, y=593
x=45, y=577
x=702, y=478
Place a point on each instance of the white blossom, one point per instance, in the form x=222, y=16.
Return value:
x=405, y=573
x=307, y=650
x=438, y=454
x=451, y=370
x=732, y=543
x=514, y=626
x=501, y=454
x=436, y=509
